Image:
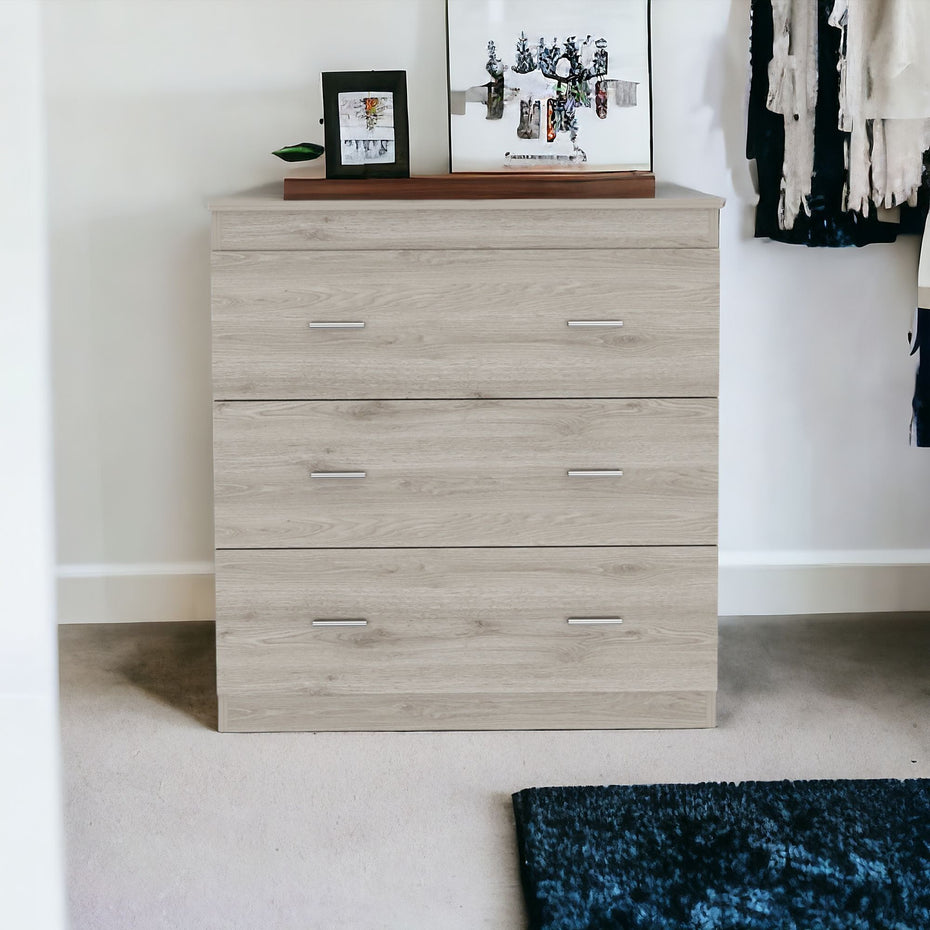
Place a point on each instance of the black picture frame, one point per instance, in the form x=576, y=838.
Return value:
x=350, y=153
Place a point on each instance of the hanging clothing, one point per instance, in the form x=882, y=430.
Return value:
x=884, y=98
x=802, y=94
x=792, y=93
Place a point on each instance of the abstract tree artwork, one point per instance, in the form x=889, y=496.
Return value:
x=540, y=84
x=366, y=127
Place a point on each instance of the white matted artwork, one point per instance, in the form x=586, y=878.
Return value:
x=366, y=127
x=549, y=85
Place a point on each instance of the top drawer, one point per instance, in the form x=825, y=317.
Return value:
x=667, y=222
x=479, y=323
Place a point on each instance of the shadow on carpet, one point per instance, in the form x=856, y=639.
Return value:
x=176, y=663
x=804, y=855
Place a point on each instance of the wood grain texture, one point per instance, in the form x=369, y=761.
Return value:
x=478, y=186
x=465, y=324
x=465, y=473
x=465, y=301
x=467, y=621
x=522, y=224
x=491, y=711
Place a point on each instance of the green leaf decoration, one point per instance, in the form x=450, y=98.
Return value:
x=303, y=151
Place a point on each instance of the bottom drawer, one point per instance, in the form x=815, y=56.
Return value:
x=535, y=638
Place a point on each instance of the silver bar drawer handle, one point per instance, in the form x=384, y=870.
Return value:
x=593, y=621
x=338, y=474
x=334, y=325
x=595, y=322
x=328, y=623
x=594, y=473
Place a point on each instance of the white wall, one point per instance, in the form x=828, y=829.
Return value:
x=156, y=105
x=31, y=885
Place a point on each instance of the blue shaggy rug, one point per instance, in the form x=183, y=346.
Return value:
x=803, y=855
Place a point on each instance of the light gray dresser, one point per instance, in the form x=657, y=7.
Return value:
x=466, y=463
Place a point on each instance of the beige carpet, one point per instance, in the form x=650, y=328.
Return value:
x=173, y=825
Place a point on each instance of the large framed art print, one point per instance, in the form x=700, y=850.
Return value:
x=550, y=85
x=365, y=124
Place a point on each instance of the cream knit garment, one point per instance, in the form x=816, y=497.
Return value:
x=884, y=98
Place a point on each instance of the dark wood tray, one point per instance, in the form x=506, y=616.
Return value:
x=491, y=186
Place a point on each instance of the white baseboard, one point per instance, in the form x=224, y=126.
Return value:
x=135, y=593
x=765, y=583
x=775, y=583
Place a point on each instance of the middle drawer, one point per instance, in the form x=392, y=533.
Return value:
x=465, y=473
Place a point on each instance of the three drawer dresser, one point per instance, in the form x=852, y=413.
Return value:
x=465, y=461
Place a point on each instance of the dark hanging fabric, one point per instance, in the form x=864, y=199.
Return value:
x=920, y=423
x=828, y=224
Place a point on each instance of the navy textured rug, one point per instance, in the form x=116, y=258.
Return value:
x=803, y=855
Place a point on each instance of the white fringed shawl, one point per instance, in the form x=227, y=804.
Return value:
x=793, y=94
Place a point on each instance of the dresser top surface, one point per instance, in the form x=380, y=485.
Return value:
x=268, y=198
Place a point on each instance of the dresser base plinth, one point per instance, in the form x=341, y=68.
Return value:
x=272, y=713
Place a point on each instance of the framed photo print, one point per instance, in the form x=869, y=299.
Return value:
x=550, y=85
x=365, y=124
